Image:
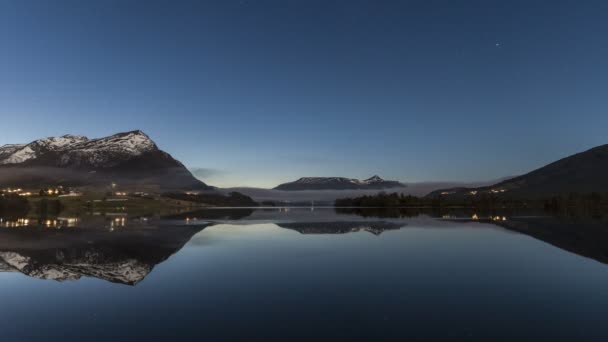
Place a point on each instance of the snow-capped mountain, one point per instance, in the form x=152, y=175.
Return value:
x=19, y=153
x=130, y=157
x=80, y=150
x=339, y=183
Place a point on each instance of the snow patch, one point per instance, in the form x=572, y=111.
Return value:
x=80, y=150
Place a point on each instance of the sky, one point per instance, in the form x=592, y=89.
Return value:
x=256, y=93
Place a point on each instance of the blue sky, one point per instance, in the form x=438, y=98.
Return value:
x=256, y=93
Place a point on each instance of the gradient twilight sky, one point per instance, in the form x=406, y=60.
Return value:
x=257, y=93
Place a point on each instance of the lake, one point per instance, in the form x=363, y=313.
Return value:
x=304, y=274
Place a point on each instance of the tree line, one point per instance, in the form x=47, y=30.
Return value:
x=233, y=199
x=592, y=201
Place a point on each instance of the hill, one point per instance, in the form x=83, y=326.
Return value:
x=583, y=172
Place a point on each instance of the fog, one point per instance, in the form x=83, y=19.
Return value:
x=414, y=189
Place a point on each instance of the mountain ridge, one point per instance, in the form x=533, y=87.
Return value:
x=131, y=158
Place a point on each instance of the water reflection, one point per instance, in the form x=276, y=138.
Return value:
x=212, y=214
x=126, y=256
x=122, y=249
x=341, y=227
x=58, y=222
x=585, y=237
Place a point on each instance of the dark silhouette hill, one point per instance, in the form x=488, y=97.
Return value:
x=583, y=172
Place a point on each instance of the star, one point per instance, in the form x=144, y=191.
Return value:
x=498, y=45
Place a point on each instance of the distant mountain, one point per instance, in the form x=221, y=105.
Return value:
x=339, y=183
x=328, y=197
x=583, y=172
x=129, y=159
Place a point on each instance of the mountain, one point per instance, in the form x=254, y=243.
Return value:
x=583, y=172
x=339, y=183
x=131, y=159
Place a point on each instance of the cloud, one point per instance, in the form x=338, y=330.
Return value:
x=202, y=172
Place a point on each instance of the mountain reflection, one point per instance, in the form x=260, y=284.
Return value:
x=124, y=256
x=125, y=250
x=582, y=235
x=585, y=237
x=382, y=212
x=341, y=227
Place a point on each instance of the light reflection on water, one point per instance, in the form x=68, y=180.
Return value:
x=58, y=222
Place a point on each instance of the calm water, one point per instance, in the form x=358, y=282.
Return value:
x=301, y=274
